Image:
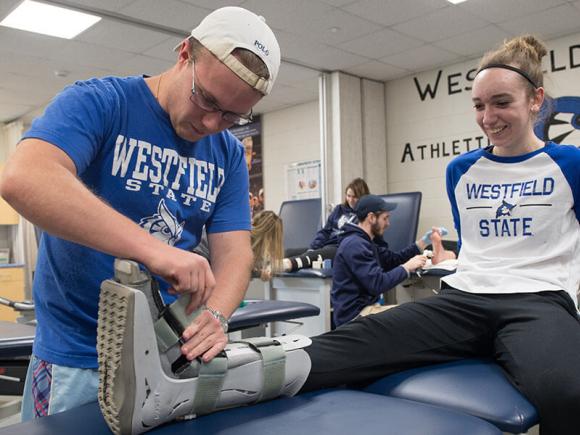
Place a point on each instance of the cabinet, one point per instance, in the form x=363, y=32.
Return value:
x=11, y=287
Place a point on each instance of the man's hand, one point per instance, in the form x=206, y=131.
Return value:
x=185, y=272
x=415, y=263
x=205, y=337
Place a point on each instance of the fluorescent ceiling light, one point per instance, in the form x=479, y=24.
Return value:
x=456, y=1
x=49, y=20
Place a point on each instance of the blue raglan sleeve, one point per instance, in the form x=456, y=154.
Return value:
x=567, y=157
x=451, y=179
x=371, y=277
x=324, y=234
x=78, y=121
x=232, y=208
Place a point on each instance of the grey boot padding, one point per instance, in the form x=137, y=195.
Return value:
x=143, y=381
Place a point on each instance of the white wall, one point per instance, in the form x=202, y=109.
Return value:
x=288, y=136
x=448, y=117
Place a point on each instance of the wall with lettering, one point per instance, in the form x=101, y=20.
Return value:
x=430, y=120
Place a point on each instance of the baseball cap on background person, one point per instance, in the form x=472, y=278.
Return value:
x=372, y=204
x=226, y=29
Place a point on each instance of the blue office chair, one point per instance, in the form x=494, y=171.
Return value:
x=404, y=220
x=302, y=219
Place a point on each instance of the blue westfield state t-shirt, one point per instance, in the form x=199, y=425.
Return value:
x=126, y=151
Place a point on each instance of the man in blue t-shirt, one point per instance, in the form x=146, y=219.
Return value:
x=134, y=167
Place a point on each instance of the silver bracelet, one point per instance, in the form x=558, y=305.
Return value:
x=219, y=316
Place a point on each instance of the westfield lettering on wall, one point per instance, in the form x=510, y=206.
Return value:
x=458, y=82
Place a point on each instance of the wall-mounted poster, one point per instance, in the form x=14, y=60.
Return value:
x=251, y=137
x=303, y=180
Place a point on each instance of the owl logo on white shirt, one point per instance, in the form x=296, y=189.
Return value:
x=505, y=209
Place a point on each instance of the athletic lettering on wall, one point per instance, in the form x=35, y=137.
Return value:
x=559, y=120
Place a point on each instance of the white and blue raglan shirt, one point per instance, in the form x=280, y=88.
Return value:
x=126, y=151
x=518, y=221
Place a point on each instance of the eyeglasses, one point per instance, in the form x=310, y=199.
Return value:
x=207, y=105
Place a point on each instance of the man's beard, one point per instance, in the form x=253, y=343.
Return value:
x=376, y=230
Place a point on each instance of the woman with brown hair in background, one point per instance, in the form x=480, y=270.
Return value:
x=325, y=242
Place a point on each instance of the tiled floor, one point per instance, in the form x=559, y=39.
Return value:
x=8, y=412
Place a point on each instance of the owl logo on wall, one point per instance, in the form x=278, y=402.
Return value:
x=560, y=121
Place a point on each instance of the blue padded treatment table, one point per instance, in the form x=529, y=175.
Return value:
x=16, y=339
x=257, y=312
x=327, y=412
x=473, y=386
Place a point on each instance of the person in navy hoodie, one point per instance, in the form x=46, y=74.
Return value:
x=364, y=267
x=325, y=242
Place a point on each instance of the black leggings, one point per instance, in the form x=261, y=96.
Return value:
x=304, y=261
x=535, y=337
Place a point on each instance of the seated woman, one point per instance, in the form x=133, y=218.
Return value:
x=325, y=242
x=267, y=239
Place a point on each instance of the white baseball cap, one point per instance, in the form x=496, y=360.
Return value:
x=226, y=29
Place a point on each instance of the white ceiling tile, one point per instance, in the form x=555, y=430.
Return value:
x=107, y=5
x=284, y=14
x=10, y=112
x=270, y=105
x=436, y=34
x=291, y=74
x=318, y=56
x=30, y=44
x=93, y=55
x=170, y=13
x=389, y=12
x=339, y=2
x=377, y=71
x=214, y=4
x=502, y=10
x=293, y=94
x=334, y=27
x=380, y=44
x=285, y=96
x=19, y=90
x=124, y=36
x=476, y=42
x=164, y=50
x=17, y=63
x=7, y=6
x=139, y=65
x=441, y=24
x=550, y=23
x=421, y=59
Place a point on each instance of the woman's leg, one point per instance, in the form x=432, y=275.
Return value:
x=539, y=347
x=442, y=328
x=305, y=260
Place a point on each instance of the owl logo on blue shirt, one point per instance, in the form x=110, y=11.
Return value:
x=163, y=225
x=505, y=209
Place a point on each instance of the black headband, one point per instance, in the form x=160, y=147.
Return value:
x=511, y=68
